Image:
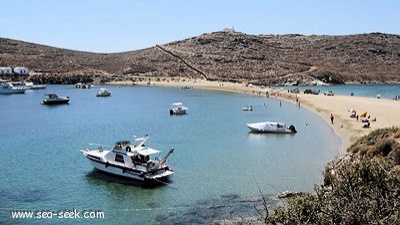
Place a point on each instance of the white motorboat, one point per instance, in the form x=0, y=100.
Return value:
x=178, y=108
x=103, y=92
x=271, y=127
x=38, y=86
x=8, y=88
x=30, y=85
x=130, y=160
x=83, y=85
x=247, y=108
x=53, y=99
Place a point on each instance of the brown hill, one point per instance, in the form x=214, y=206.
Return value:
x=228, y=56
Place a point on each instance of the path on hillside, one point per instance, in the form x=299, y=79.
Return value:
x=182, y=60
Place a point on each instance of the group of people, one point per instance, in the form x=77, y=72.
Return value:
x=364, y=118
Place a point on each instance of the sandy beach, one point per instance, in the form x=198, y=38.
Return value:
x=386, y=112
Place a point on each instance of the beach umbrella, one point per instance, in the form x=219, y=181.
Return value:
x=363, y=114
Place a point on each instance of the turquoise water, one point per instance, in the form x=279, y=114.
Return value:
x=215, y=155
x=366, y=90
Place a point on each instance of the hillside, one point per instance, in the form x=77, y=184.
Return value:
x=228, y=56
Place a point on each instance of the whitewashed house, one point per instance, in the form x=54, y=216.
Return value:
x=5, y=71
x=21, y=71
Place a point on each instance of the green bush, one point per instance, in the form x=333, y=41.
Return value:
x=354, y=191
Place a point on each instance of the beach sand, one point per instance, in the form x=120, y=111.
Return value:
x=386, y=112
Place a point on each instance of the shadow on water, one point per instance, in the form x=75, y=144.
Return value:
x=98, y=177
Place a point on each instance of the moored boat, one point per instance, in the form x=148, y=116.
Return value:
x=271, y=127
x=53, y=99
x=8, y=88
x=103, y=92
x=38, y=86
x=178, y=108
x=83, y=85
x=247, y=108
x=29, y=85
x=131, y=160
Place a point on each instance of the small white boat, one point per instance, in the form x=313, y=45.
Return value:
x=247, y=108
x=30, y=85
x=271, y=127
x=178, y=108
x=83, y=85
x=130, y=160
x=53, y=99
x=8, y=88
x=103, y=92
x=38, y=86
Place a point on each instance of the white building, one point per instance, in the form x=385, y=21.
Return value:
x=229, y=29
x=21, y=71
x=5, y=71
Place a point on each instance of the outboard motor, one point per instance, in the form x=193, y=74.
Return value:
x=171, y=112
x=293, y=129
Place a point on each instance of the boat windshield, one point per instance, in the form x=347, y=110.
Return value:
x=51, y=96
x=121, y=144
x=147, y=151
x=176, y=104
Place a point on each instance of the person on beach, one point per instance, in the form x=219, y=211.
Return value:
x=331, y=118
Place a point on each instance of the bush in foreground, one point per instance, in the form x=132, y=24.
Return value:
x=357, y=189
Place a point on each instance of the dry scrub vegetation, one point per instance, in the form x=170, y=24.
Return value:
x=361, y=187
x=228, y=56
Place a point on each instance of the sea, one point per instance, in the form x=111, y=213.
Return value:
x=221, y=169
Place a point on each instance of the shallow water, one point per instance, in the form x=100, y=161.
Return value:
x=215, y=155
x=366, y=90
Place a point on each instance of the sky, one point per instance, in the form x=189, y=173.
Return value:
x=111, y=26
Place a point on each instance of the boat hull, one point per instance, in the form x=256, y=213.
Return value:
x=130, y=173
x=12, y=91
x=58, y=102
x=271, y=127
x=177, y=112
x=103, y=95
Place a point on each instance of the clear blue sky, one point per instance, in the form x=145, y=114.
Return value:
x=125, y=25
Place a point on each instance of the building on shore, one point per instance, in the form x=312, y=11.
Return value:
x=5, y=71
x=21, y=71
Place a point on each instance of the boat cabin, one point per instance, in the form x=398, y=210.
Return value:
x=125, y=151
x=122, y=145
